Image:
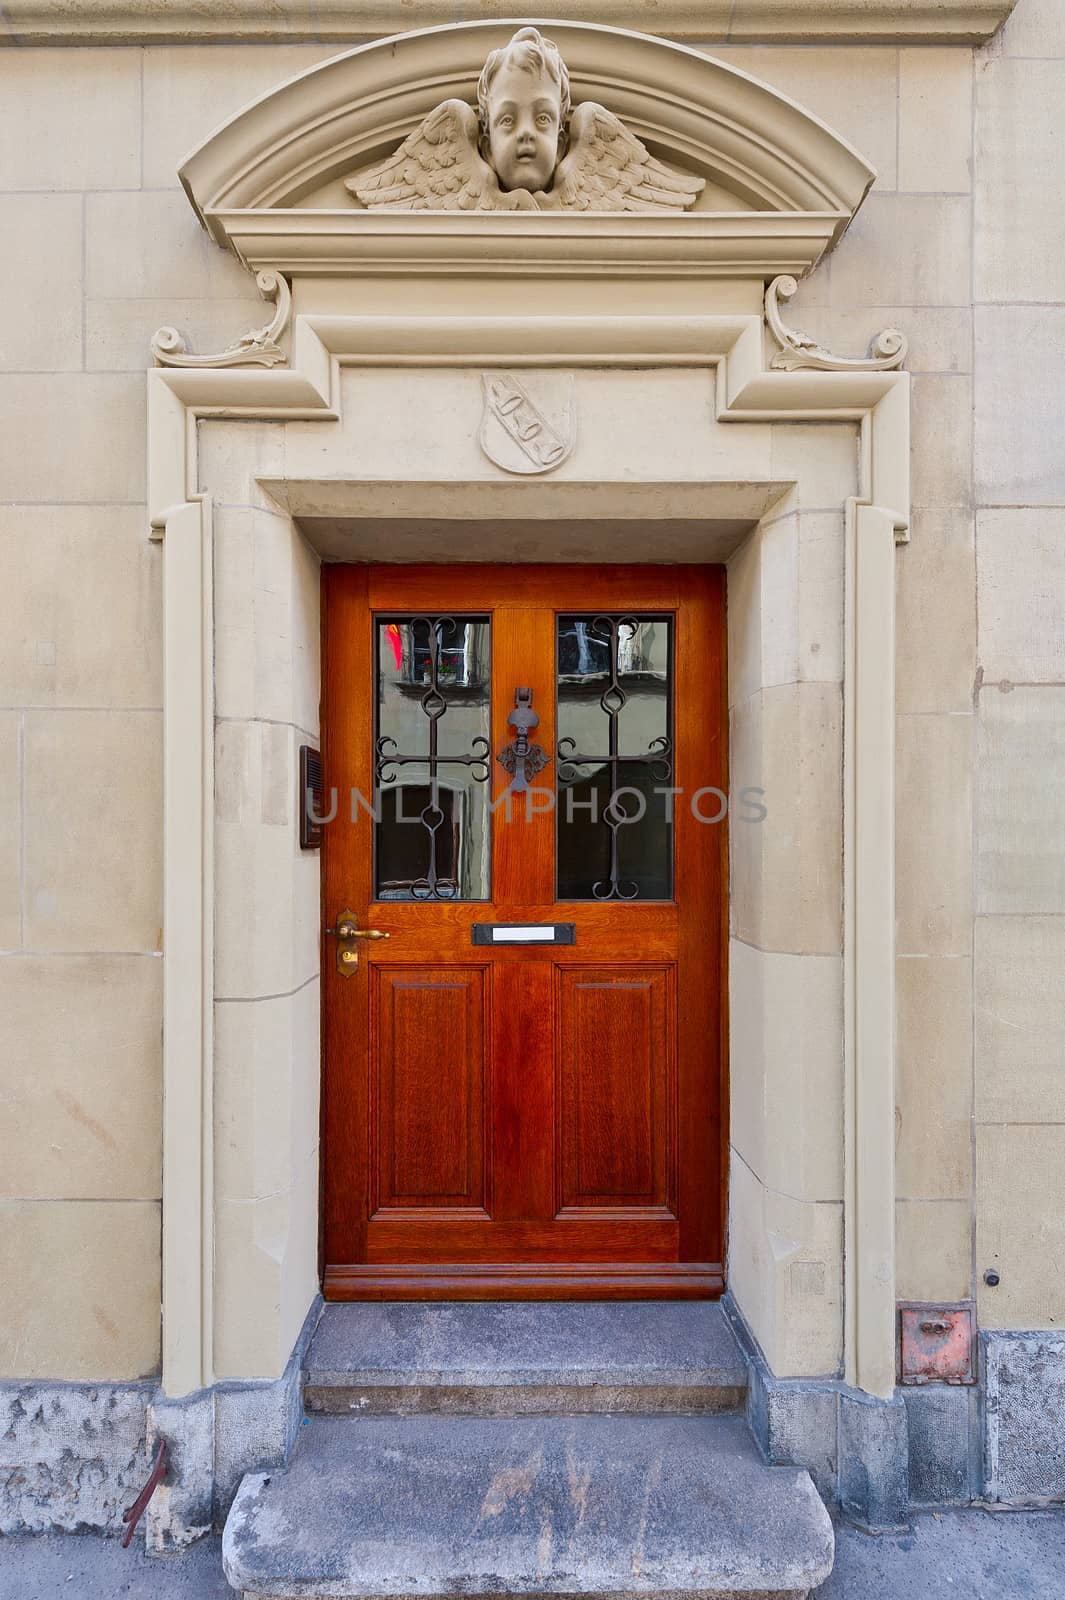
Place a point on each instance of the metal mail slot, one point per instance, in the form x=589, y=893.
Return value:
x=500, y=933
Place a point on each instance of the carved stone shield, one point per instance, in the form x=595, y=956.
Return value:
x=528, y=426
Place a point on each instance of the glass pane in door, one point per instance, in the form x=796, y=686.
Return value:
x=614, y=825
x=433, y=825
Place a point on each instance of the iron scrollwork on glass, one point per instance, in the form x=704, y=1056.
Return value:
x=437, y=664
x=622, y=665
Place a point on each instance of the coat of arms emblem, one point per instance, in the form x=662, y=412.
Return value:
x=527, y=427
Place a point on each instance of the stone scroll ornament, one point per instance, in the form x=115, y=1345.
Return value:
x=259, y=348
x=800, y=350
x=524, y=148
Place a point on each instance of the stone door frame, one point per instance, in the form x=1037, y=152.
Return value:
x=424, y=291
x=182, y=401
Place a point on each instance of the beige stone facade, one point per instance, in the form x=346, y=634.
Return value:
x=958, y=245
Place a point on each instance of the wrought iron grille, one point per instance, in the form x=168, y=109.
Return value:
x=616, y=638
x=442, y=681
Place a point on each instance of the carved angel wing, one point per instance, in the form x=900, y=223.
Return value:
x=437, y=168
x=608, y=169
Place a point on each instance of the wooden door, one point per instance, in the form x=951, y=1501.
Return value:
x=536, y=1118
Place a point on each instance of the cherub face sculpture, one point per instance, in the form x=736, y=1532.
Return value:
x=523, y=102
x=523, y=149
x=524, y=125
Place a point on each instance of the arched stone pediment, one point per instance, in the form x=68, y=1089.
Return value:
x=780, y=186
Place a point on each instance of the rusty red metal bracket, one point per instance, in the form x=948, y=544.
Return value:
x=132, y=1514
x=936, y=1344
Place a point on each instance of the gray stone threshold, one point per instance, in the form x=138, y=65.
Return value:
x=523, y=1359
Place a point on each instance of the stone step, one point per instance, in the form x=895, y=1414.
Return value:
x=520, y=1358
x=479, y=1506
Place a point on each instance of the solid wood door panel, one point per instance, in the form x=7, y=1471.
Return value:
x=511, y=1121
x=616, y=1080
x=428, y=1042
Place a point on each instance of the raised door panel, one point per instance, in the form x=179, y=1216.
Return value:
x=617, y=1077
x=430, y=1091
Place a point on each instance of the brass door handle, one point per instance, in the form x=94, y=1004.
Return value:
x=346, y=932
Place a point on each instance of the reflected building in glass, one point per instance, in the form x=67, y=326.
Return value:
x=615, y=757
x=432, y=840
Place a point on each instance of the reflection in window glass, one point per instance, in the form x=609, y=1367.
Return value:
x=615, y=758
x=432, y=837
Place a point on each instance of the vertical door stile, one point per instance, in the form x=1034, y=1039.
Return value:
x=347, y=733
x=523, y=1070
x=702, y=722
x=524, y=841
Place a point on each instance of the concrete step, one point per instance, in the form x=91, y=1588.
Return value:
x=518, y=1358
x=492, y=1506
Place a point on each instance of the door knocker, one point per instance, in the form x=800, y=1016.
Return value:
x=522, y=759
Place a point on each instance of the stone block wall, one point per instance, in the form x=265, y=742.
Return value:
x=959, y=245
x=906, y=262
x=100, y=247
x=1019, y=700
x=955, y=245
